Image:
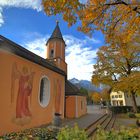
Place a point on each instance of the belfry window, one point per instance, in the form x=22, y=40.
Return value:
x=52, y=53
x=44, y=95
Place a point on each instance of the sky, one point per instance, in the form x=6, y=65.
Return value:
x=25, y=23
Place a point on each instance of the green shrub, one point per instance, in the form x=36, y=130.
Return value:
x=75, y=133
x=131, y=115
x=122, y=109
x=122, y=134
x=32, y=134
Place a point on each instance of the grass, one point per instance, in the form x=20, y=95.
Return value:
x=137, y=115
x=126, y=116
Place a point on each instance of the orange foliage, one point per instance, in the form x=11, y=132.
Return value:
x=96, y=97
x=118, y=65
x=108, y=16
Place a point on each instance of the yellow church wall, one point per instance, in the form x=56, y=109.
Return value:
x=12, y=68
x=75, y=106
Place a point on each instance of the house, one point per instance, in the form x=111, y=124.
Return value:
x=32, y=89
x=123, y=99
x=75, y=101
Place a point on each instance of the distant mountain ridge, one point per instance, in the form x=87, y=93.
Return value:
x=85, y=84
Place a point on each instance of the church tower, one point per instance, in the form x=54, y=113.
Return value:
x=56, y=49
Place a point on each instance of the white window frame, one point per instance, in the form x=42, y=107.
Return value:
x=45, y=104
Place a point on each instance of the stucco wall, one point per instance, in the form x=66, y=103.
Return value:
x=70, y=106
x=126, y=98
x=76, y=106
x=8, y=100
x=117, y=97
x=82, y=105
x=59, y=53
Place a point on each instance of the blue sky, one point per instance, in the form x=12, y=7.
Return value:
x=25, y=23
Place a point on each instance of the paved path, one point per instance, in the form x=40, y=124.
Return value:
x=93, y=113
x=95, y=109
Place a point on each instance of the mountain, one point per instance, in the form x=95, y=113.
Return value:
x=85, y=84
x=74, y=81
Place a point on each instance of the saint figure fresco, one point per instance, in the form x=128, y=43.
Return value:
x=25, y=84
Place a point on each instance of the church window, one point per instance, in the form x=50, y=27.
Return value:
x=52, y=53
x=44, y=95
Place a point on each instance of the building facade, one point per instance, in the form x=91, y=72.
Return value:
x=76, y=103
x=123, y=99
x=32, y=89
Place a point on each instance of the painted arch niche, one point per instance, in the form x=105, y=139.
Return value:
x=44, y=93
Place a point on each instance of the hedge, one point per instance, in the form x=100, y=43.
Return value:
x=122, y=109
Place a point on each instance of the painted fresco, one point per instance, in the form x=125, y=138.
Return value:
x=25, y=84
x=58, y=97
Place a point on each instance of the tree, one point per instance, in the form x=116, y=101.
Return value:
x=109, y=16
x=119, y=20
x=84, y=91
x=96, y=97
x=118, y=65
x=105, y=94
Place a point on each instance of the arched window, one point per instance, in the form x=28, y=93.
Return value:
x=52, y=53
x=44, y=95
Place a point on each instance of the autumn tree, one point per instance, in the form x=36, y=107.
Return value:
x=118, y=65
x=109, y=16
x=105, y=94
x=96, y=97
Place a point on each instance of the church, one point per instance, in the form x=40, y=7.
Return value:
x=34, y=90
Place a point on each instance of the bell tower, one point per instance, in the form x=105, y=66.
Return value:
x=56, y=49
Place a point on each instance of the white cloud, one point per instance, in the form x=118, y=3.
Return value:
x=32, y=4
x=79, y=55
x=37, y=46
x=1, y=17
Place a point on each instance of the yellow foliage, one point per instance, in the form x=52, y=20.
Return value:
x=108, y=16
x=96, y=97
x=118, y=64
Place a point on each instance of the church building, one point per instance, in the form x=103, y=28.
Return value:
x=33, y=90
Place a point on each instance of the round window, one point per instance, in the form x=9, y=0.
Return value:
x=44, y=95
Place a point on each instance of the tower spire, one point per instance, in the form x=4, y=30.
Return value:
x=57, y=22
x=56, y=33
x=56, y=49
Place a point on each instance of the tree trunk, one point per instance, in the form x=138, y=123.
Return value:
x=135, y=108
